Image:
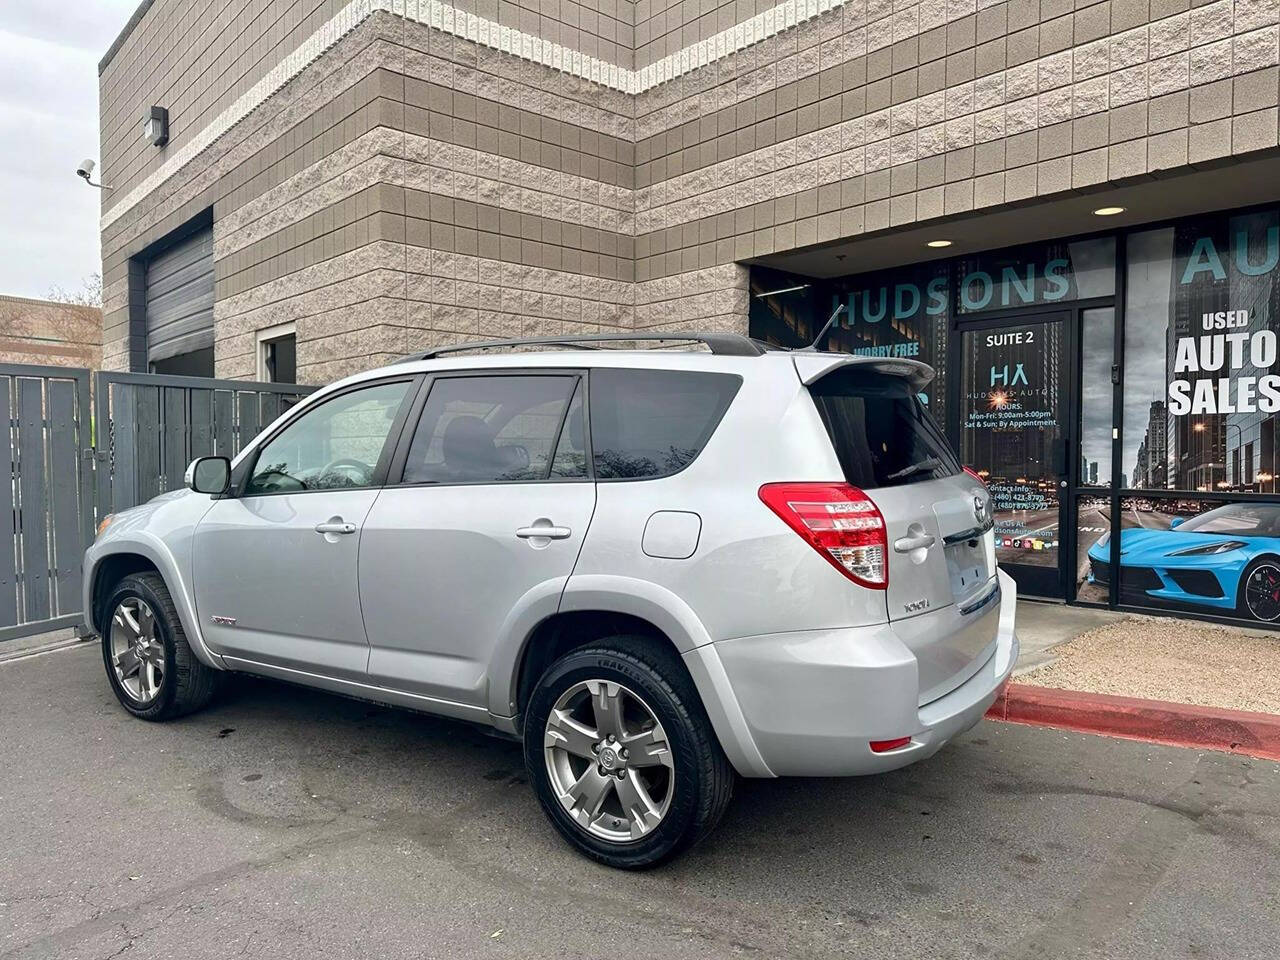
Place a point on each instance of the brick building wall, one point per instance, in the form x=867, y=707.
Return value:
x=49, y=333
x=399, y=173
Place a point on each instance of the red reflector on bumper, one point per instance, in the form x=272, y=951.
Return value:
x=884, y=746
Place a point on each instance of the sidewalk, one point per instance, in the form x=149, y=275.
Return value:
x=1161, y=679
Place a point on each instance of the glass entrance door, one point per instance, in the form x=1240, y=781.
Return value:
x=1014, y=431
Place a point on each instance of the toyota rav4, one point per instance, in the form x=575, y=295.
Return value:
x=660, y=569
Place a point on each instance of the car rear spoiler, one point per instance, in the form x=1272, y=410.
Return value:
x=812, y=367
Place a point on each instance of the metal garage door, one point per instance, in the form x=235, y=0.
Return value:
x=180, y=298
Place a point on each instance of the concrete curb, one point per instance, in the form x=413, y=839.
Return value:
x=1178, y=724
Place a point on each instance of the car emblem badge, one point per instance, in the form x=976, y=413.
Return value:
x=608, y=758
x=223, y=621
x=980, y=509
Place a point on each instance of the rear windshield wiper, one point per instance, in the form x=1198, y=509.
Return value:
x=928, y=463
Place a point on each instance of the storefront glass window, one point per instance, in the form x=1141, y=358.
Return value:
x=1201, y=381
x=1093, y=531
x=1047, y=273
x=1200, y=556
x=898, y=314
x=1097, y=349
x=1011, y=431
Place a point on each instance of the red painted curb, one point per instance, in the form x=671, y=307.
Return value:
x=1178, y=724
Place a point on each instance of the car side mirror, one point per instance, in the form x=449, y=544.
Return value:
x=1175, y=522
x=210, y=475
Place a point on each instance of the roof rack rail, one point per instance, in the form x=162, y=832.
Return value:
x=720, y=344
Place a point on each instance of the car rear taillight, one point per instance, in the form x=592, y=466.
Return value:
x=840, y=522
x=887, y=746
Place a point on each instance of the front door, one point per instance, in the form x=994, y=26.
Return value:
x=275, y=565
x=1015, y=433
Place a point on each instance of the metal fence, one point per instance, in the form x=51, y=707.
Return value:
x=66, y=467
x=46, y=502
x=153, y=426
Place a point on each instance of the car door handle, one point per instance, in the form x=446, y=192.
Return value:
x=546, y=531
x=335, y=525
x=907, y=544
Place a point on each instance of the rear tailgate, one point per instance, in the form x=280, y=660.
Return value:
x=942, y=593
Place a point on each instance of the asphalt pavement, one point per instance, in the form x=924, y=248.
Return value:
x=286, y=823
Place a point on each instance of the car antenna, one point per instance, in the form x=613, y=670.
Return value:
x=813, y=347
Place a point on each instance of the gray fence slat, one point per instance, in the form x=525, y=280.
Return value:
x=64, y=486
x=123, y=473
x=32, y=515
x=249, y=422
x=147, y=443
x=224, y=424
x=175, y=437
x=270, y=407
x=8, y=540
x=201, y=412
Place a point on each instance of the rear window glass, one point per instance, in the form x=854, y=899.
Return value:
x=881, y=431
x=653, y=423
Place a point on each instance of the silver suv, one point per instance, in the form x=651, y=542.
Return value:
x=658, y=568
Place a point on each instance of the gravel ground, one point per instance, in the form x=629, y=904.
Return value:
x=1162, y=658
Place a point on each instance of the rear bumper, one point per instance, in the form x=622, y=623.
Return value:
x=809, y=703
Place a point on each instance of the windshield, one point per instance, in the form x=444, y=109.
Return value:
x=1237, y=519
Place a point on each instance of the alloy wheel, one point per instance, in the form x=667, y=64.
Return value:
x=609, y=760
x=1262, y=592
x=137, y=653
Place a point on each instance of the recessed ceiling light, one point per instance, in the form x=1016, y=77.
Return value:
x=1108, y=211
x=938, y=243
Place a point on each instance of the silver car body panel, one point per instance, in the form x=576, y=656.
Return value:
x=443, y=575
x=241, y=547
x=431, y=601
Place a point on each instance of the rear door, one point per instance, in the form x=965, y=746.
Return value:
x=478, y=531
x=941, y=555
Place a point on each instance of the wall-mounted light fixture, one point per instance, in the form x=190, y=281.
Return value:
x=775, y=293
x=155, y=126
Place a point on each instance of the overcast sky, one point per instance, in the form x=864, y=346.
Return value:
x=49, y=55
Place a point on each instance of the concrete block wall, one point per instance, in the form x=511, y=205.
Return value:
x=411, y=184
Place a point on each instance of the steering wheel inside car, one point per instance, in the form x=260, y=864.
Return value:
x=359, y=471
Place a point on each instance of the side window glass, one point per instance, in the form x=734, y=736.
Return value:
x=337, y=444
x=488, y=429
x=653, y=423
x=571, y=452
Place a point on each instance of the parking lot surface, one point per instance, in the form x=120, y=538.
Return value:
x=286, y=823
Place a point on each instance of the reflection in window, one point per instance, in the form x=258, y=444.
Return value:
x=489, y=429
x=652, y=423
x=333, y=445
x=1097, y=339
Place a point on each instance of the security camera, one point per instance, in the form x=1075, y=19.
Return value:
x=85, y=173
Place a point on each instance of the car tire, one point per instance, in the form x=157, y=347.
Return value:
x=1245, y=606
x=169, y=681
x=669, y=764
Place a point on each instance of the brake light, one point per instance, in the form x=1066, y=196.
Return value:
x=840, y=522
x=976, y=475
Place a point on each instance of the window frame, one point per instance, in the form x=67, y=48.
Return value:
x=269, y=335
x=400, y=458
x=241, y=475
